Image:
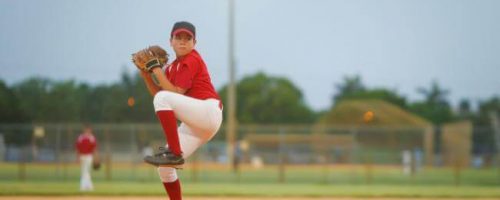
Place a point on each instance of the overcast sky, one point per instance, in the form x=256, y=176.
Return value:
x=395, y=44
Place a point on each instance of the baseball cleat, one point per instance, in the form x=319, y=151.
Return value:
x=165, y=158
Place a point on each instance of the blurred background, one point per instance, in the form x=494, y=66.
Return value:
x=326, y=92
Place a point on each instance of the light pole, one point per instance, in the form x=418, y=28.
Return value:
x=231, y=91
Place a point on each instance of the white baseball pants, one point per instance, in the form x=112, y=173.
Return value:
x=86, y=166
x=200, y=121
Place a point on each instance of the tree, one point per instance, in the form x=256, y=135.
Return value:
x=485, y=108
x=434, y=95
x=351, y=85
x=32, y=95
x=483, y=137
x=110, y=103
x=10, y=111
x=266, y=100
x=63, y=102
x=143, y=110
x=353, y=88
x=48, y=101
x=382, y=94
x=435, y=107
x=464, y=110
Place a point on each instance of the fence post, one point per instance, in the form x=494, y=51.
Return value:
x=58, y=151
x=368, y=168
x=282, y=156
x=135, y=150
x=108, y=153
x=429, y=145
x=457, y=168
x=66, y=160
x=22, y=165
x=326, y=165
x=355, y=153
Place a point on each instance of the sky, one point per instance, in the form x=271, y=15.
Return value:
x=395, y=44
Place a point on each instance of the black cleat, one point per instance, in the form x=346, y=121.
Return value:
x=165, y=158
x=163, y=150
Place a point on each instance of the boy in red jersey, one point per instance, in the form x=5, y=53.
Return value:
x=184, y=92
x=86, y=145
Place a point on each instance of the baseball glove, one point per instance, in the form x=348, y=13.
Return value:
x=149, y=58
x=96, y=164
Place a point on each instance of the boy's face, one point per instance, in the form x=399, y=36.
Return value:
x=87, y=130
x=182, y=43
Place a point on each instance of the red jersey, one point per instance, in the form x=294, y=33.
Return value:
x=190, y=72
x=86, y=144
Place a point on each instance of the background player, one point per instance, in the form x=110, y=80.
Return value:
x=185, y=92
x=86, y=145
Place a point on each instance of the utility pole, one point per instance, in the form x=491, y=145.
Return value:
x=231, y=92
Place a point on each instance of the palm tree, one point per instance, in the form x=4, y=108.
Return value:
x=434, y=95
x=435, y=107
x=350, y=85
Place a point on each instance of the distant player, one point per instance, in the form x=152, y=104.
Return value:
x=86, y=145
x=184, y=92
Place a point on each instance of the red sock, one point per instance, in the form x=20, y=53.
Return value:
x=169, y=124
x=173, y=190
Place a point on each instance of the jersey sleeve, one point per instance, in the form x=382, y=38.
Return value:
x=185, y=74
x=94, y=143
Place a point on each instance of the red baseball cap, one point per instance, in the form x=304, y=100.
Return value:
x=185, y=27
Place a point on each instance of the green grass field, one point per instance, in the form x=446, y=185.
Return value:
x=248, y=189
x=310, y=181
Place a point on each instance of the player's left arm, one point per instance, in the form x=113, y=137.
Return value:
x=150, y=85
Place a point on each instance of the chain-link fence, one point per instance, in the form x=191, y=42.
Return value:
x=263, y=153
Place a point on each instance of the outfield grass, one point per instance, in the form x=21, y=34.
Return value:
x=313, y=181
x=353, y=175
x=241, y=189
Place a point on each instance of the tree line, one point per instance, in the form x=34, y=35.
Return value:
x=434, y=107
x=261, y=99
x=40, y=100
